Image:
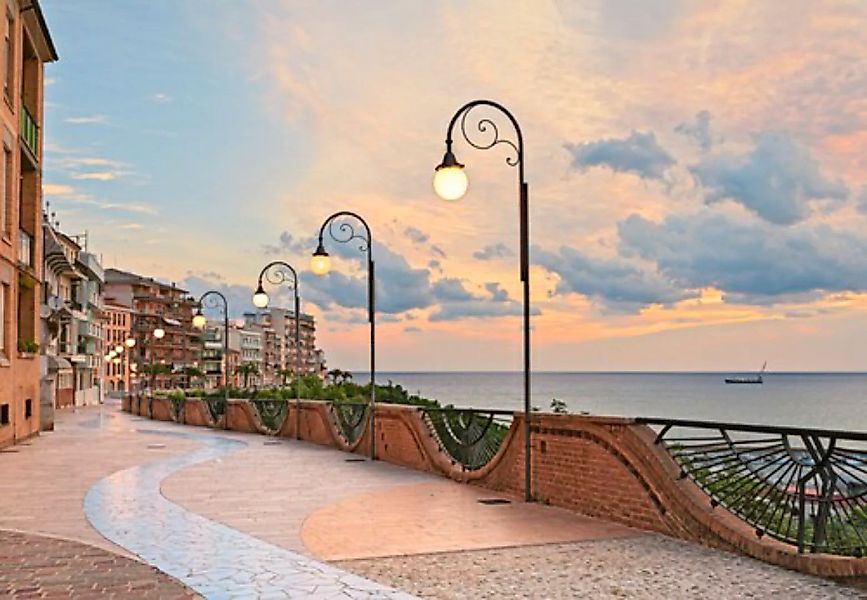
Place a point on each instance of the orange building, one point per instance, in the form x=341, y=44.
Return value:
x=27, y=46
x=117, y=328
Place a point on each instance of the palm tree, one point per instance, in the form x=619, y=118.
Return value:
x=246, y=370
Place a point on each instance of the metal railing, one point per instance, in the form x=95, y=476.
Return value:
x=470, y=437
x=271, y=413
x=805, y=487
x=350, y=418
x=29, y=131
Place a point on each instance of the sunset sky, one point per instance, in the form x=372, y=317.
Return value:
x=697, y=170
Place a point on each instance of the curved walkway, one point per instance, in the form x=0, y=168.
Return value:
x=213, y=559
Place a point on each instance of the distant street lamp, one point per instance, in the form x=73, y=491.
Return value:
x=279, y=272
x=210, y=300
x=320, y=264
x=158, y=333
x=450, y=183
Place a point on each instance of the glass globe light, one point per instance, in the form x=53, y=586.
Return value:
x=260, y=298
x=130, y=342
x=450, y=180
x=320, y=262
x=108, y=357
x=118, y=349
x=159, y=333
x=116, y=361
x=199, y=320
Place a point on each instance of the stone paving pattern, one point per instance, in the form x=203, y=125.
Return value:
x=35, y=566
x=650, y=567
x=217, y=561
x=244, y=496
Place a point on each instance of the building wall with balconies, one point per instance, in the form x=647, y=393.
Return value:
x=26, y=48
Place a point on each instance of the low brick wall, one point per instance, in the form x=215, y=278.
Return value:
x=603, y=467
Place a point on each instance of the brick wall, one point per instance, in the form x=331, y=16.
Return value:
x=598, y=466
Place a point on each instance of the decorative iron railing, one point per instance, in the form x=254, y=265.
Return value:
x=805, y=487
x=178, y=404
x=351, y=418
x=272, y=413
x=29, y=132
x=470, y=437
x=216, y=408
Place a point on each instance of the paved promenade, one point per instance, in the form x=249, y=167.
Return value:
x=231, y=515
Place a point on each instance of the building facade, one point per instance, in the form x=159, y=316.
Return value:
x=118, y=329
x=71, y=319
x=27, y=46
x=161, y=363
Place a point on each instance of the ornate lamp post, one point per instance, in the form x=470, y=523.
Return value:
x=210, y=299
x=450, y=183
x=159, y=333
x=279, y=272
x=320, y=264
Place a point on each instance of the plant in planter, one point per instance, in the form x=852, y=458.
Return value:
x=27, y=346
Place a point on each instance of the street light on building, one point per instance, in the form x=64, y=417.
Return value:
x=450, y=183
x=320, y=264
x=279, y=272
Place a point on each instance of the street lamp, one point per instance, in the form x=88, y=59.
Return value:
x=130, y=342
x=450, y=183
x=320, y=264
x=279, y=272
x=210, y=300
x=159, y=333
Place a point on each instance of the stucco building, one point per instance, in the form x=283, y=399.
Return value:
x=27, y=46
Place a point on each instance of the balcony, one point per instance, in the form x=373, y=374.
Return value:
x=29, y=132
x=25, y=248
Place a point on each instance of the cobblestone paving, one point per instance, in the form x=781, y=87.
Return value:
x=35, y=566
x=213, y=559
x=646, y=567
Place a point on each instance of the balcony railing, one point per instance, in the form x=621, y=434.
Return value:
x=25, y=248
x=29, y=131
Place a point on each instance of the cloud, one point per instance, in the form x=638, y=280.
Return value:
x=288, y=244
x=450, y=289
x=861, y=203
x=778, y=180
x=88, y=120
x=457, y=303
x=417, y=236
x=239, y=297
x=749, y=262
x=493, y=251
x=57, y=189
x=613, y=283
x=96, y=176
x=698, y=130
x=639, y=154
x=68, y=193
x=161, y=98
x=411, y=329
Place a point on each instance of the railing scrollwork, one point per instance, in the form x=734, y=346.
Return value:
x=469, y=437
x=805, y=487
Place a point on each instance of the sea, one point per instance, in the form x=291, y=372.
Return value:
x=817, y=400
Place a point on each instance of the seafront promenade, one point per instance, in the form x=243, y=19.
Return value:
x=112, y=504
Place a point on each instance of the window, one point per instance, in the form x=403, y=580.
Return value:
x=9, y=80
x=6, y=192
x=3, y=292
x=28, y=408
x=4, y=414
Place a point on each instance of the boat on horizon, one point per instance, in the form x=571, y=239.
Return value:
x=753, y=380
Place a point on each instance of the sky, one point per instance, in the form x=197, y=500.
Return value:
x=697, y=170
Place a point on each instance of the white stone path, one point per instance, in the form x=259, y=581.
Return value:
x=213, y=559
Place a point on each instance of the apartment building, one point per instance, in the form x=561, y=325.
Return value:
x=27, y=46
x=278, y=329
x=71, y=314
x=161, y=362
x=117, y=330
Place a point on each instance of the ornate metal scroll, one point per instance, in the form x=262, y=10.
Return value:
x=469, y=437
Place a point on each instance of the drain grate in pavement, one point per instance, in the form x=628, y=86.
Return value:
x=156, y=446
x=9, y=451
x=355, y=459
x=494, y=501
x=273, y=443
